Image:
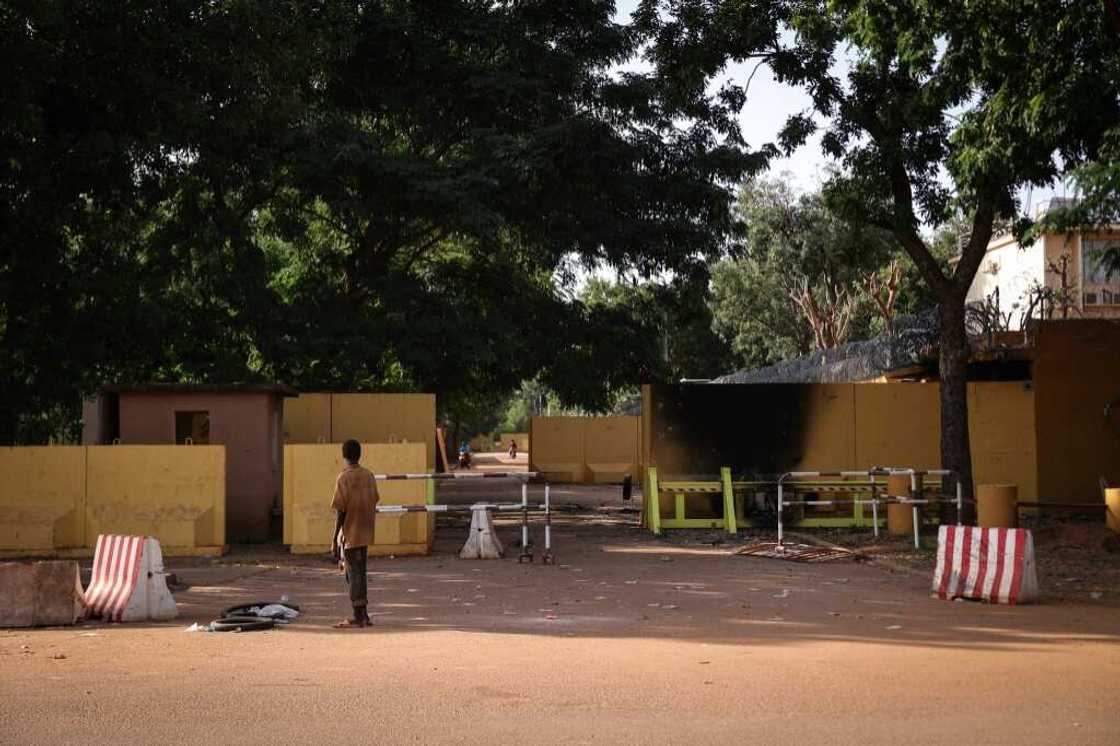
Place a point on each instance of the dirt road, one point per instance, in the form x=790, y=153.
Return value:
x=628, y=641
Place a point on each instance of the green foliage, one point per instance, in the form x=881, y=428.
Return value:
x=790, y=239
x=671, y=325
x=1098, y=202
x=932, y=109
x=752, y=311
x=336, y=195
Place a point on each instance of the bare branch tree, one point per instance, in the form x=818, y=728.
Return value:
x=830, y=316
x=884, y=296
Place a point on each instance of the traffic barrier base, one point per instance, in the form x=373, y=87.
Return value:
x=482, y=542
x=128, y=582
x=985, y=564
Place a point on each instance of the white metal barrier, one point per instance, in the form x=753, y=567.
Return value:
x=915, y=500
x=524, y=507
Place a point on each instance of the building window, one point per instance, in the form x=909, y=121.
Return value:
x=193, y=425
x=1093, y=271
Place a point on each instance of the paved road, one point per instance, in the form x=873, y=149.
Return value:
x=629, y=641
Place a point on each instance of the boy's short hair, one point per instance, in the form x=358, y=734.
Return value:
x=352, y=450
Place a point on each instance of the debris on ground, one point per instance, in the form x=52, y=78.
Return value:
x=796, y=552
x=252, y=617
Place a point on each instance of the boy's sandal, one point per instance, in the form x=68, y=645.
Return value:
x=349, y=624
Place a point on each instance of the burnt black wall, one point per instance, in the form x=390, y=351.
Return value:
x=756, y=429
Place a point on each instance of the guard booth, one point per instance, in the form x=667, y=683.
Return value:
x=247, y=418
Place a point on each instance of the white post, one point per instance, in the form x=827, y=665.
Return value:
x=916, y=524
x=960, y=502
x=547, y=522
x=524, y=516
x=874, y=505
x=779, y=511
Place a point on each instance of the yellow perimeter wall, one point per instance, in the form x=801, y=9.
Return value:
x=585, y=449
x=368, y=418
x=57, y=499
x=860, y=425
x=309, y=476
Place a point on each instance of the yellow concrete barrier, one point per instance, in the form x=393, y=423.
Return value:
x=586, y=450
x=176, y=494
x=367, y=418
x=42, y=499
x=309, y=477
x=610, y=448
x=307, y=418
x=1002, y=433
x=557, y=448
x=386, y=418
x=997, y=506
x=894, y=424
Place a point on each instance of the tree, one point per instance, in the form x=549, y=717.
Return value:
x=937, y=108
x=752, y=312
x=795, y=282
x=671, y=325
x=1097, y=207
x=364, y=196
x=459, y=155
x=132, y=145
x=884, y=293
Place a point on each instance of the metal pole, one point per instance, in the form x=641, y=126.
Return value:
x=526, y=554
x=547, y=557
x=960, y=503
x=874, y=505
x=779, y=511
x=916, y=519
x=475, y=475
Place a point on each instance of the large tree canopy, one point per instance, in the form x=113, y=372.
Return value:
x=929, y=108
x=371, y=195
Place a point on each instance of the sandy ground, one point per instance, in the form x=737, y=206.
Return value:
x=629, y=640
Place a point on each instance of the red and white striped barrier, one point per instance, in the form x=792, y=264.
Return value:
x=127, y=583
x=987, y=564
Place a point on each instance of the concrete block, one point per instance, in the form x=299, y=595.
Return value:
x=39, y=594
x=482, y=541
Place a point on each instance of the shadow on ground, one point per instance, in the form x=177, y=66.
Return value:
x=614, y=581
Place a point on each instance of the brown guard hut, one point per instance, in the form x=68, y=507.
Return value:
x=246, y=418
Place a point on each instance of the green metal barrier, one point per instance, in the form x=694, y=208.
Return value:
x=729, y=521
x=733, y=516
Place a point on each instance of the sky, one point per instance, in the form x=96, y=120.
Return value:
x=770, y=103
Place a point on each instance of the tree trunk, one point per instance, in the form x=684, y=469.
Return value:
x=956, y=453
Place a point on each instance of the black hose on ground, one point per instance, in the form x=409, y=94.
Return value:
x=241, y=624
x=243, y=609
x=238, y=619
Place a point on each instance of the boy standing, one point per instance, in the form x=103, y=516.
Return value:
x=355, y=497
